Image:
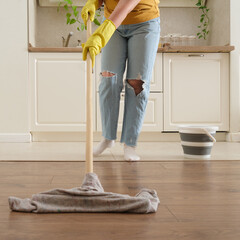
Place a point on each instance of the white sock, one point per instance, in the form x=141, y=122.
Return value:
x=130, y=154
x=102, y=145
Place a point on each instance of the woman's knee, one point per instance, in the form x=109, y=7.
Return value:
x=136, y=84
x=107, y=74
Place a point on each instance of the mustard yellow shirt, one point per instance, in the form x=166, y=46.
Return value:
x=144, y=11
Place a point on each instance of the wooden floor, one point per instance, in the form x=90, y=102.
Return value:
x=75, y=151
x=199, y=200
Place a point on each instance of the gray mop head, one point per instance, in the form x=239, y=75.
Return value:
x=90, y=197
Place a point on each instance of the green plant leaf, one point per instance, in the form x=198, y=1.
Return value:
x=68, y=15
x=68, y=1
x=96, y=22
x=72, y=21
x=76, y=13
x=82, y=26
x=66, y=7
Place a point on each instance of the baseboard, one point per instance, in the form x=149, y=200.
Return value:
x=233, y=137
x=15, y=137
x=81, y=136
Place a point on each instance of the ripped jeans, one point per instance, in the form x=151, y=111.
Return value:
x=137, y=45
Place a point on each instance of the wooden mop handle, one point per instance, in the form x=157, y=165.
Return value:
x=89, y=119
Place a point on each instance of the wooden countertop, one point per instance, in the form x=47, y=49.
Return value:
x=194, y=49
x=166, y=49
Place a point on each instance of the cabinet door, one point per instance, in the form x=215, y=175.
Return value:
x=196, y=90
x=58, y=82
x=153, y=120
x=156, y=80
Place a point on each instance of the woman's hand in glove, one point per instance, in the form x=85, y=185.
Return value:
x=98, y=40
x=89, y=8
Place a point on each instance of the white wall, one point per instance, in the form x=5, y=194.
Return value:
x=219, y=15
x=234, y=68
x=13, y=67
x=32, y=21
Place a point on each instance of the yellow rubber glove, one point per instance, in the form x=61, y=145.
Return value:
x=98, y=39
x=89, y=8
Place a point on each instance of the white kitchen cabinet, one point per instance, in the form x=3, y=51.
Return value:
x=57, y=82
x=156, y=80
x=153, y=120
x=196, y=90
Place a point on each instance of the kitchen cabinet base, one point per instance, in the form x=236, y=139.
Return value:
x=81, y=136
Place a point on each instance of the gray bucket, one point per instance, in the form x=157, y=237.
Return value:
x=197, y=141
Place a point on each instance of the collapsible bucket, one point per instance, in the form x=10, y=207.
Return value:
x=197, y=141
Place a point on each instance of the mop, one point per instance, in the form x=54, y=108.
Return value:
x=90, y=196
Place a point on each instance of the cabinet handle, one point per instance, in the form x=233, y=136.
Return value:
x=196, y=55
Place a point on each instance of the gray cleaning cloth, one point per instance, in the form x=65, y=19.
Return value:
x=90, y=197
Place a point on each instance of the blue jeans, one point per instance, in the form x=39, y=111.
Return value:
x=138, y=44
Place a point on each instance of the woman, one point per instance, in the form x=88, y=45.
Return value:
x=130, y=30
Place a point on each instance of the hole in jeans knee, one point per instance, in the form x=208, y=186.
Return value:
x=107, y=74
x=137, y=85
